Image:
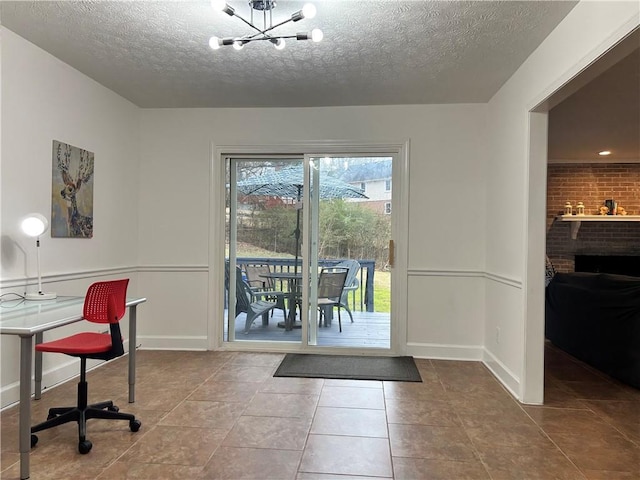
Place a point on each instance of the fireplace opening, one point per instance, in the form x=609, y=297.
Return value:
x=619, y=264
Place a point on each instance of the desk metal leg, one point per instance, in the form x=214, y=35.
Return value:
x=132, y=354
x=26, y=347
x=38, y=368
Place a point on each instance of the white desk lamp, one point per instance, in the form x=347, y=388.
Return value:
x=35, y=225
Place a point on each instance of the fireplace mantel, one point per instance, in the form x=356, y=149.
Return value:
x=578, y=219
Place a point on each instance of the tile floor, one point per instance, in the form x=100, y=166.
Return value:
x=221, y=415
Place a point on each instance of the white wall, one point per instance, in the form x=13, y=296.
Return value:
x=446, y=212
x=152, y=181
x=43, y=100
x=587, y=32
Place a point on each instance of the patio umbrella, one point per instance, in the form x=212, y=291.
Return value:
x=287, y=182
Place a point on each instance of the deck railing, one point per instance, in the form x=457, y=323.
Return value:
x=367, y=270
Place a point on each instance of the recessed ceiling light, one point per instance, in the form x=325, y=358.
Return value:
x=604, y=153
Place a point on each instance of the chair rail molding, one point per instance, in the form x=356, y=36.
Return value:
x=494, y=277
x=576, y=220
x=19, y=282
x=172, y=268
x=65, y=277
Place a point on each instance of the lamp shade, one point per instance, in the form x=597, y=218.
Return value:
x=34, y=224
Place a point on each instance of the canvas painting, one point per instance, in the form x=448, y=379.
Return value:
x=72, y=192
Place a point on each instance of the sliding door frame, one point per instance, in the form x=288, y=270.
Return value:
x=398, y=150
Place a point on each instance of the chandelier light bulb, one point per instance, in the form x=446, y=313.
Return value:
x=214, y=43
x=266, y=31
x=218, y=5
x=317, y=35
x=309, y=10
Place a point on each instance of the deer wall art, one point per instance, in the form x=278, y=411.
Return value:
x=72, y=192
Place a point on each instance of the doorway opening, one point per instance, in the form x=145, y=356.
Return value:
x=533, y=387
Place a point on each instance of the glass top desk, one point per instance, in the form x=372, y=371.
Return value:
x=30, y=318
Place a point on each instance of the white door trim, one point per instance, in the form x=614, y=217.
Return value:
x=400, y=228
x=532, y=383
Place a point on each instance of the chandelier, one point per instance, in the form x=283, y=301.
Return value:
x=264, y=33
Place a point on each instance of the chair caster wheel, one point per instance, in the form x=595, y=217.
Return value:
x=34, y=440
x=113, y=408
x=134, y=425
x=84, y=447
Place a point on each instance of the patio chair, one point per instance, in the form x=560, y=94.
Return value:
x=351, y=284
x=260, y=283
x=248, y=301
x=330, y=289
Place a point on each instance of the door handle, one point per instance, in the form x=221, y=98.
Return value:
x=392, y=253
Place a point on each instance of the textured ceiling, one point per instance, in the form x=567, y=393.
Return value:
x=374, y=52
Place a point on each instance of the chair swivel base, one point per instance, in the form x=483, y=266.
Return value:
x=80, y=415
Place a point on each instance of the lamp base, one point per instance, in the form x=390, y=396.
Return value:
x=40, y=296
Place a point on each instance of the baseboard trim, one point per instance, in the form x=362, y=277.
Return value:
x=162, y=342
x=506, y=377
x=475, y=353
x=10, y=394
x=445, y=352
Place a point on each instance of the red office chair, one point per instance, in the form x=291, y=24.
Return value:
x=104, y=303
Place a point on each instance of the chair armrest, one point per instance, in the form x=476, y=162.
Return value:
x=354, y=285
x=267, y=293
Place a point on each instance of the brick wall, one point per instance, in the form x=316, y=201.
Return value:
x=591, y=184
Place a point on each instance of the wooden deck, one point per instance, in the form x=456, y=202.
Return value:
x=368, y=330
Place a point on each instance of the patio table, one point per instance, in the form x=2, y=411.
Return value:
x=292, y=285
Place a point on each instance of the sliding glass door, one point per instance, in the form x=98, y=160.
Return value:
x=292, y=222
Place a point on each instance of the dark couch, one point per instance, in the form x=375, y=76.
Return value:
x=596, y=318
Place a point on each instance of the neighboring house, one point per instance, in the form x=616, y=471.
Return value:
x=373, y=177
